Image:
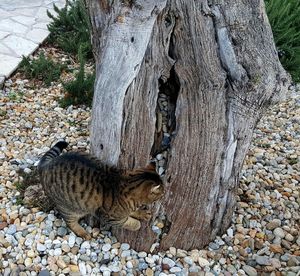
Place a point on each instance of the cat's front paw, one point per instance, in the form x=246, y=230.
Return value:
x=87, y=237
x=147, y=215
x=132, y=224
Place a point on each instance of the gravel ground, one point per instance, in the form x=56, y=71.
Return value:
x=262, y=240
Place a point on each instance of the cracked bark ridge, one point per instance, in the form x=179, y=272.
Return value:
x=226, y=65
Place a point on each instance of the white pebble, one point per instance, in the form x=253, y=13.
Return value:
x=82, y=268
x=40, y=247
x=129, y=264
x=72, y=240
x=57, y=252
x=106, y=247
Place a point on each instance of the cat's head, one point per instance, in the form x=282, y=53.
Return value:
x=144, y=185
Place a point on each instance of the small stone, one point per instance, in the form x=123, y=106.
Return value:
x=230, y=232
x=173, y=251
x=65, y=247
x=12, y=229
x=251, y=271
x=285, y=257
x=142, y=254
x=214, y=246
x=275, y=263
x=293, y=261
x=175, y=269
x=129, y=264
x=3, y=225
x=73, y=268
x=28, y=262
x=40, y=247
x=276, y=248
x=82, y=268
x=72, y=240
x=149, y=272
x=142, y=265
x=149, y=260
x=28, y=125
x=27, y=170
x=30, y=254
x=263, y=260
x=289, y=237
x=85, y=245
x=57, y=252
x=125, y=253
x=273, y=224
x=84, y=258
x=74, y=250
x=61, y=231
x=125, y=246
x=203, y=262
x=106, y=247
x=231, y=269
x=286, y=244
x=61, y=264
x=188, y=260
x=44, y=272
x=181, y=253
x=278, y=232
x=168, y=262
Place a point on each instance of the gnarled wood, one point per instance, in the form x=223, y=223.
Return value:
x=220, y=62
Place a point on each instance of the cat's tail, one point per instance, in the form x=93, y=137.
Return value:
x=55, y=151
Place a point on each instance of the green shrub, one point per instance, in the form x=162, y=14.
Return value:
x=284, y=17
x=42, y=68
x=80, y=90
x=70, y=28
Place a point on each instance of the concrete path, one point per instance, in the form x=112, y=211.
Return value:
x=23, y=26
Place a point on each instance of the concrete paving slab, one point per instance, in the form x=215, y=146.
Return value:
x=36, y=35
x=3, y=34
x=23, y=26
x=6, y=50
x=8, y=64
x=19, y=45
x=25, y=20
x=13, y=27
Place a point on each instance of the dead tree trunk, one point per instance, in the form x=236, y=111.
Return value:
x=217, y=66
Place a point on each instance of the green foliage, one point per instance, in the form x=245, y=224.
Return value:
x=284, y=17
x=80, y=90
x=41, y=68
x=70, y=28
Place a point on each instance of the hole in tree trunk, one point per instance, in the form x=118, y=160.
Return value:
x=165, y=119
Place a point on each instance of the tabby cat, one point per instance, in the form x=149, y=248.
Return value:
x=81, y=185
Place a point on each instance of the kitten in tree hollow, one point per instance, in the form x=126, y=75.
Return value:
x=79, y=185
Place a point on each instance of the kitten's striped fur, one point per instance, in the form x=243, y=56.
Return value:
x=79, y=184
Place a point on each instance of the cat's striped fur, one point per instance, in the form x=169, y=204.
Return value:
x=79, y=184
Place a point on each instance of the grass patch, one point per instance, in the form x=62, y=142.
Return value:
x=70, y=28
x=284, y=17
x=81, y=89
x=42, y=68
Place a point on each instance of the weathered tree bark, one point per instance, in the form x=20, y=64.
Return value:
x=218, y=63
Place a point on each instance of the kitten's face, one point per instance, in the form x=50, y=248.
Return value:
x=145, y=185
x=151, y=191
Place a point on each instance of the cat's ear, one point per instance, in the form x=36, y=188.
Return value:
x=155, y=189
x=151, y=166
